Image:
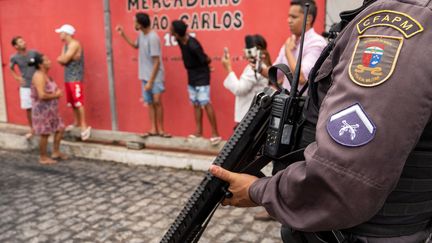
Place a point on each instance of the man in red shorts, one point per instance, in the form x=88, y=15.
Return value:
x=72, y=58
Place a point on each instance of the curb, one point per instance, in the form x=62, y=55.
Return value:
x=11, y=137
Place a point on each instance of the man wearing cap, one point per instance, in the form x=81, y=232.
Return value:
x=72, y=58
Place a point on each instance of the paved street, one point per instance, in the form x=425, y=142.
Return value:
x=90, y=201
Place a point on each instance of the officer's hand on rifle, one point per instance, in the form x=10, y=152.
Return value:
x=239, y=186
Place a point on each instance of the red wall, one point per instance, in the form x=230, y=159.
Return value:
x=36, y=21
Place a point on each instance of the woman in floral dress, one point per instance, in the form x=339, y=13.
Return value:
x=45, y=115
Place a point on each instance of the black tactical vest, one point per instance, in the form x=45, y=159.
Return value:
x=408, y=209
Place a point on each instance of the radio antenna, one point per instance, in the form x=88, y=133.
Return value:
x=296, y=78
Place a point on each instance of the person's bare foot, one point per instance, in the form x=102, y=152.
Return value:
x=47, y=161
x=28, y=136
x=59, y=156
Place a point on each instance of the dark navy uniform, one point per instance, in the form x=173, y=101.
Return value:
x=369, y=173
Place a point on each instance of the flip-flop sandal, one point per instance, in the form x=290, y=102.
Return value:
x=193, y=136
x=148, y=134
x=165, y=135
x=85, y=135
x=215, y=140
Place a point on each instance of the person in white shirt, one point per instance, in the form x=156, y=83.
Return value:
x=250, y=82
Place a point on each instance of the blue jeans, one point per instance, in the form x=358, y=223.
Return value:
x=158, y=87
x=199, y=95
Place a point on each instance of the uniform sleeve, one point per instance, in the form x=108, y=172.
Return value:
x=242, y=86
x=338, y=186
x=155, y=45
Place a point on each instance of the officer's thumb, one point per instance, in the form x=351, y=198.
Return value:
x=221, y=173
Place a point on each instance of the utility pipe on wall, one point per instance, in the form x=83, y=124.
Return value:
x=110, y=65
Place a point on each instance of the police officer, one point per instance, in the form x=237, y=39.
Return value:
x=368, y=176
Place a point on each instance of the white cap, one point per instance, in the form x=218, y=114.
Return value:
x=66, y=28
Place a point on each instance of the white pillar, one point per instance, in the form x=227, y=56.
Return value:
x=3, y=113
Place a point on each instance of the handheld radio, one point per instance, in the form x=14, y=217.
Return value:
x=286, y=107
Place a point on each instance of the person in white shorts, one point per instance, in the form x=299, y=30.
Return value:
x=21, y=59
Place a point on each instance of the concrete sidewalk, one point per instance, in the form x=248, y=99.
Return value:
x=175, y=152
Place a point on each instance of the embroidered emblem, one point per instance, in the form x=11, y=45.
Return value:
x=351, y=127
x=397, y=20
x=374, y=59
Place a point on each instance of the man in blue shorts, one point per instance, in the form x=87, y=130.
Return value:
x=151, y=71
x=197, y=66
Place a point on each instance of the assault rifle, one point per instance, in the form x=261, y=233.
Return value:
x=272, y=122
x=237, y=154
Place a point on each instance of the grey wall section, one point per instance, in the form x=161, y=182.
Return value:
x=3, y=113
x=110, y=64
x=334, y=7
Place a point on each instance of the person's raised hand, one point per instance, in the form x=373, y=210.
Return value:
x=238, y=185
x=119, y=29
x=290, y=43
x=226, y=61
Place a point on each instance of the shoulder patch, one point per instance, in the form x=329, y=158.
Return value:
x=402, y=22
x=351, y=127
x=374, y=59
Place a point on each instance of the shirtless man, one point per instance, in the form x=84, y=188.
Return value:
x=72, y=58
